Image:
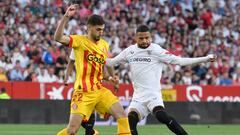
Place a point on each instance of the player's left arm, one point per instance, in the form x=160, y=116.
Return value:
x=111, y=77
x=190, y=61
x=110, y=62
x=120, y=58
x=169, y=58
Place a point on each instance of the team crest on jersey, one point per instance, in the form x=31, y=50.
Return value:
x=74, y=106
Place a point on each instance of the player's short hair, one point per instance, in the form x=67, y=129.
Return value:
x=143, y=28
x=95, y=20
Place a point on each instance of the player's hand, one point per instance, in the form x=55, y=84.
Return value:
x=71, y=10
x=115, y=81
x=65, y=81
x=212, y=57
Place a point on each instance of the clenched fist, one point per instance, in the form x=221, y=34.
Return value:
x=212, y=57
x=71, y=10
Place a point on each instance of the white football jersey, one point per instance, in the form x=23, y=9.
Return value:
x=146, y=68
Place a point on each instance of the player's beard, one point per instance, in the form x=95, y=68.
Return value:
x=144, y=45
x=96, y=38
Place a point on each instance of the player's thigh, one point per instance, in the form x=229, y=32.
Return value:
x=83, y=104
x=140, y=108
x=154, y=102
x=106, y=101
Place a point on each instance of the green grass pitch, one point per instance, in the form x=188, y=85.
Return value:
x=25, y=129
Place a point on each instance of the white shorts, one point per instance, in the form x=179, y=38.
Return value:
x=146, y=107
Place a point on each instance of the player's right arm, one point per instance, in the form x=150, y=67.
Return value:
x=70, y=67
x=58, y=36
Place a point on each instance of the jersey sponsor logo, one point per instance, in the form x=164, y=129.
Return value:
x=140, y=60
x=92, y=57
x=223, y=98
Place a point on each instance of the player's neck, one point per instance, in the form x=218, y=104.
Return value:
x=91, y=39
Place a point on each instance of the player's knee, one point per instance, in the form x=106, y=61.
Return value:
x=117, y=111
x=72, y=129
x=120, y=114
x=161, y=115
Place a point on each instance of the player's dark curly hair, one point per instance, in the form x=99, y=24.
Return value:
x=95, y=20
x=143, y=28
x=73, y=1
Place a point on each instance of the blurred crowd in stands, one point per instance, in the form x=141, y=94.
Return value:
x=187, y=28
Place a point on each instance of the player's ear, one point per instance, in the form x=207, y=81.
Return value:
x=88, y=27
x=136, y=37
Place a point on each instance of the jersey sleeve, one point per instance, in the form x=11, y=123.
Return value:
x=72, y=57
x=75, y=41
x=120, y=58
x=169, y=58
x=166, y=57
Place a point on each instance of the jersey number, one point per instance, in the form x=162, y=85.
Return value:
x=77, y=97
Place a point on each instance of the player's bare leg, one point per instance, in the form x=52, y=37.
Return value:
x=160, y=113
x=118, y=112
x=73, y=126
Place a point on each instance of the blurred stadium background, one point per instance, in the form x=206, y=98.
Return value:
x=32, y=65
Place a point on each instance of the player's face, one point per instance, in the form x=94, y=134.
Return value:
x=96, y=32
x=143, y=39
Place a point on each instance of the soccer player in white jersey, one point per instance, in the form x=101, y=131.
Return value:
x=146, y=61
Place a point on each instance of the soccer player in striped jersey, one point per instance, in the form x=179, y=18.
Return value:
x=90, y=53
x=86, y=124
x=146, y=62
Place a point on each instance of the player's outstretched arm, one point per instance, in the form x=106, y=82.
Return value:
x=58, y=36
x=120, y=58
x=191, y=61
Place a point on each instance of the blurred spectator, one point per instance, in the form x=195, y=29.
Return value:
x=187, y=77
x=3, y=94
x=3, y=76
x=236, y=75
x=16, y=73
x=32, y=77
x=51, y=77
x=126, y=78
x=225, y=79
x=177, y=78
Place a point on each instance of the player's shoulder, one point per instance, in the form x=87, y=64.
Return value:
x=103, y=41
x=132, y=47
x=78, y=37
x=157, y=48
